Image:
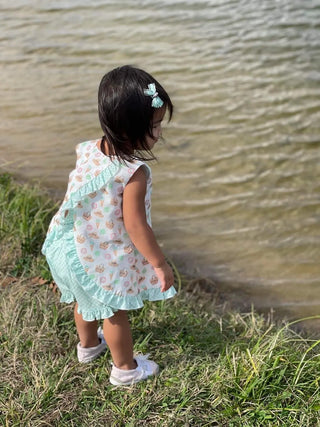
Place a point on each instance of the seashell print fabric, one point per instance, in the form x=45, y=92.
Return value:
x=103, y=246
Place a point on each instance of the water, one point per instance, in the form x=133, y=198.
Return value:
x=236, y=189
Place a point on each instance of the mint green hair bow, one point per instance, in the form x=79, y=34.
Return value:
x=151, y=91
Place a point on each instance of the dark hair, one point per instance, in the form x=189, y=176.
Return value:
x=125, y=112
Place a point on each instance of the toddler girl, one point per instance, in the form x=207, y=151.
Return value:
x=100, y=246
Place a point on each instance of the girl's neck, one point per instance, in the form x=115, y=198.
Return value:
x=105, y=148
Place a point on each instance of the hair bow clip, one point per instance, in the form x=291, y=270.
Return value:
x=151, y=91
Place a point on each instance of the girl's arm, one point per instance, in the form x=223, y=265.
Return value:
x=141, y=234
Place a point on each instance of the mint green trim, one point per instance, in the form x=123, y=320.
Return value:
x=95, y=184
x=107, y=302
x=126, y=302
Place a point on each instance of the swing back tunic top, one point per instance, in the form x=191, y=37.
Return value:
x=89, y=252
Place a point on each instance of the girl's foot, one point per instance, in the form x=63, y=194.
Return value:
x=145, y=369
x=88, y=354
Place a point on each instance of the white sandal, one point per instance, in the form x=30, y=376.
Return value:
x=88, y=354
x=145, y=369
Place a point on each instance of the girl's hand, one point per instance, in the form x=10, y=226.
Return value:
x=165, y=275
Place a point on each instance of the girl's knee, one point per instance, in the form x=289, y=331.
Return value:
x=119, y=316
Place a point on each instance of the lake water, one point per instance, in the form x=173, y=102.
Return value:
x=236, y=188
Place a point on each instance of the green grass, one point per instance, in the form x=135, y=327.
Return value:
x=25, y=213
x=217, y=368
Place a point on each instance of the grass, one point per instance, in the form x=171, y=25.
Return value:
x=25, y=213
x=217, y=368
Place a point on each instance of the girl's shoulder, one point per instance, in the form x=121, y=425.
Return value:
x=127, y=169
x=86, y=147
x=91, y=162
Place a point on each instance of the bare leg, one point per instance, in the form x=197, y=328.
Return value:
x=87, y=331
x=117, y=333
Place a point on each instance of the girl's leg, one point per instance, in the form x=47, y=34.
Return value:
x=87, y=331
x=117, y=333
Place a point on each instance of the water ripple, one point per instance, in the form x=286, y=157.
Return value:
x=238, y=179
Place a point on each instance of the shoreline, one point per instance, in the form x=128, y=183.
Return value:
x=44, y=205
x=218, y=366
